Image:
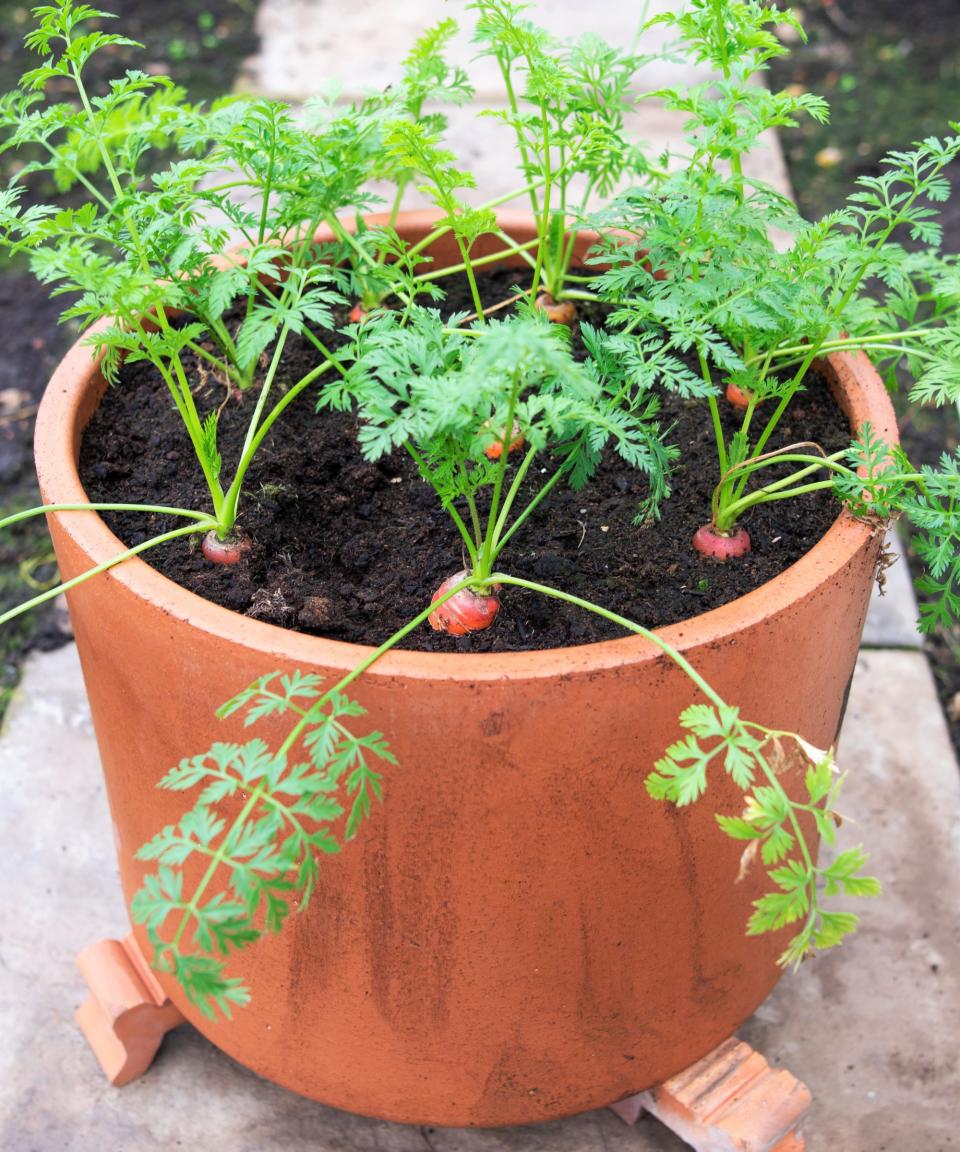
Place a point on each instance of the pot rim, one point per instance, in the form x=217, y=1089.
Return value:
x=65, y=410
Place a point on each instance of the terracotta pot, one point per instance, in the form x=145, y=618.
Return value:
x=519, y=932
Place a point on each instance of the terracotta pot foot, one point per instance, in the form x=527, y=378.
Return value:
x=127, y=1013
x=730, y=1101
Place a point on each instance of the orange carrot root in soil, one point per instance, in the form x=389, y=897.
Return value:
x=563, y=313
x=709, y=542
x=494, y=450
x=739, y=397
x=465, y=612
x=229, y=551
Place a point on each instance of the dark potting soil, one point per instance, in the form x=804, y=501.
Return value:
x=351, y=550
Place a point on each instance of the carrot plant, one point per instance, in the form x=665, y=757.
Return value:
x=196, y=234
x=197, y=241
x=756, y=317
x=448, y=395
x=566, y=105
x=288, y=821
x=149, y=261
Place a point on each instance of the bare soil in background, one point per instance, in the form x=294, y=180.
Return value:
x=202, y=46
x=890, y=70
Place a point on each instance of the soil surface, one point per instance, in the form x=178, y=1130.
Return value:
x=202, y=46
x=352, y=550
x=891, y=72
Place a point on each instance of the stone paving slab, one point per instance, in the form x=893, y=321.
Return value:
x=303, y=53
x=885, y=1076
x=485, y=147
x=888, y=1077
x=307, y=44
x=892, y=617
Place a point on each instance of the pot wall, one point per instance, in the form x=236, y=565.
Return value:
x=519, y=932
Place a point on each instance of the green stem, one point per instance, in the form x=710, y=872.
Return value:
x=133, y=230
x=521, y=142
x=272, y=417
x=496, y=202
x=425, y=473
x=98, y=135
x=774, y=420
x=682, y=663
x=114, y=179
x=192, y=909
x=835, y=312
x=267, y=185
x=748, y=415
x=51, y=593
x=687, y=668
x=736, y=167
x=521, y=250
x=228, y=370
x=544, y=224
x=309, y=334
x=43, y=509
x=726, y=511
x=781, y=490
x=443, y=229
x=576, y=294
x=849, y=342
x=264, y=392
x=347, y=237
x=915, y=353
x=487, y=554
x=474, y=290
x=814, y=462
x=510, y=497
x=257, y=432
x=479, y=261
x=306, y=237
x=222, y=333
x=79, y=176
x=183, y=398
x=395, y=206
x=774, y=781
x=531, y=507
x=719, y=18
x=471, y=508
x=715, y=417
x=765, y=496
